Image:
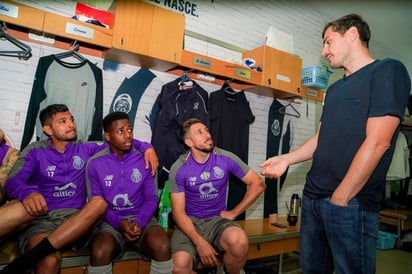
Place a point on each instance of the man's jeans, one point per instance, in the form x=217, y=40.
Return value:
x=337, y=238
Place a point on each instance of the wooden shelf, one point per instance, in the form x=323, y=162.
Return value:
x=22, y=15
x=22, y=33
x=77, y=30
x=146, y=35
x=197, y=64
x=23, y=18
x=281, y=71
x=129, y=43
x=312, y=93
x=218, y=67
x=242, y=77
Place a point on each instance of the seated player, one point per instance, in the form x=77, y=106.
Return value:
x=198, y=190
x=49, y=180
x=118, y=175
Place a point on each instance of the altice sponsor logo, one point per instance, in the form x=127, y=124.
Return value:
x=68, y=190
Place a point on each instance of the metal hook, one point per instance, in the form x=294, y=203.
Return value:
x=75, y=45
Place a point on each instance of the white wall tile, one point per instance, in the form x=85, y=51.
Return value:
x=241, y=23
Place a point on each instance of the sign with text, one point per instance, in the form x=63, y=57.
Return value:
x=243, y=73
x=206, y=63
x=79, y=30
x=183, y=6
x=9, y=10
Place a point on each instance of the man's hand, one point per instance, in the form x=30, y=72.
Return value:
x=131, y=231
x=230, y=215
x=35, y=204
x=274, y=167
x=150, y=157
x=340, y=196
x=207, y=254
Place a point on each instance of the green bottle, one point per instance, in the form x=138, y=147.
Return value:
x=165, y=206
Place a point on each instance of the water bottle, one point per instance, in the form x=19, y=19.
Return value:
x=293, y=214
x=164, y=217
x=294, y=204
x=165, y=207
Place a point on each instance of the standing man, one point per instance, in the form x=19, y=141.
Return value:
x=49, y=180
x=351, y=153
x=118, y=175
x=205, y=230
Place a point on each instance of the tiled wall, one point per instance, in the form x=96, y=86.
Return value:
x=240, y=23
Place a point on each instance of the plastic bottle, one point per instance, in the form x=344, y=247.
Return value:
x=164, y=216
x=165, y=206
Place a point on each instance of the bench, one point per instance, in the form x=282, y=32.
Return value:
x=265, y=240
x=76, y=263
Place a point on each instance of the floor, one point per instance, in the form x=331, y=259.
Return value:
x=391, y=261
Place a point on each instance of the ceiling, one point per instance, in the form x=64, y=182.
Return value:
x=390, y=22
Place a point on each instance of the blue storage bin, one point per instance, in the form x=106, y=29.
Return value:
x=316, y=76
x=386, y=240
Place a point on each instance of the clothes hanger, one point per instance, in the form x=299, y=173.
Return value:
x=228, y=88
x=295, y=113
x=24, y=53
x=229, y=91
x=185, y=81
x=71, y=53
x=185, y=75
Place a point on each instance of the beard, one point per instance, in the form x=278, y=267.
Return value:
x=126, y=149
x=206, y=149
x=66, y=137
x=72, y=139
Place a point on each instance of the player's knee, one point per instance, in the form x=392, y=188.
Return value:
x=163, y=246
x=103, y=249
x=50, y=263
x=101, y=255
x=159, y=243
x=182, y=262
x=236, y=242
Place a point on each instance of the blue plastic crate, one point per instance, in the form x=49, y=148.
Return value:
x=386, y=240
x=316, y=76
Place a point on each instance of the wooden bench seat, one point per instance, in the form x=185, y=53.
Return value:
x=265, y=240
x=76, y=263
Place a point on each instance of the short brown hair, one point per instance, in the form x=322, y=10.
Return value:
x=47, y=114
x=184, y=129
x=344, y=23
